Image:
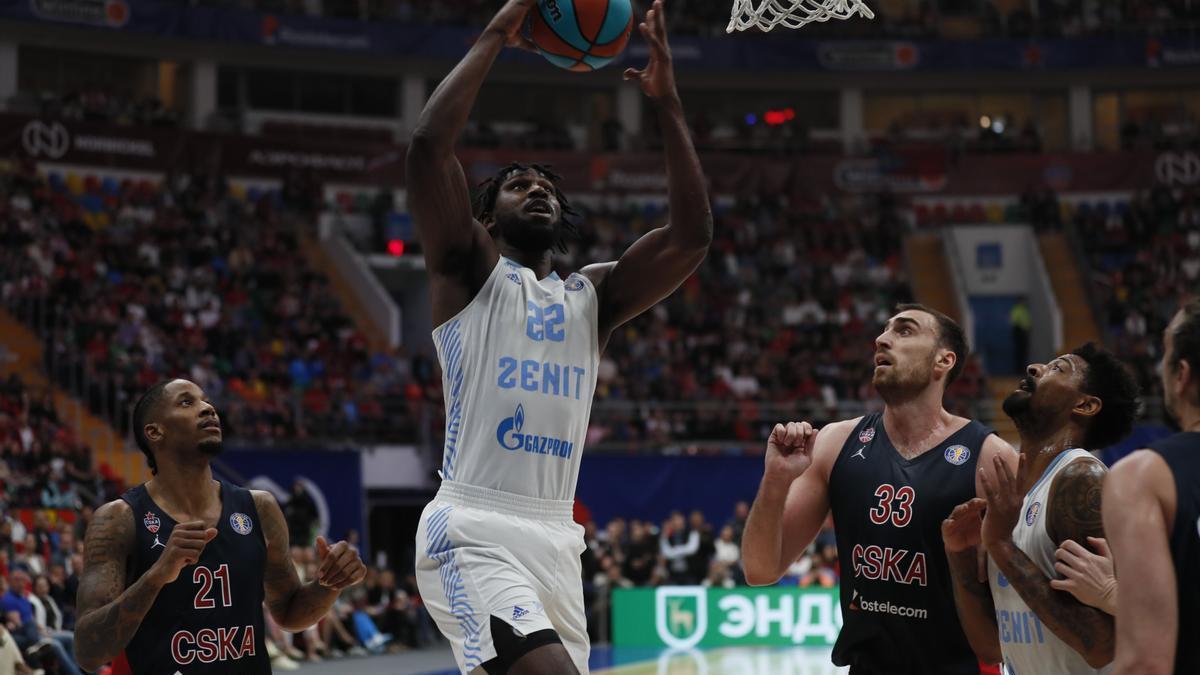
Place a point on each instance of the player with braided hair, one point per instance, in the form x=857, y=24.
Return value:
x=497, y=552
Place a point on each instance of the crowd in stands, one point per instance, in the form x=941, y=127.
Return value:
x=1144, y=257
x=913, y=18
x=139, y=282
x=41, y=558
x=189, y=279
x=43, y=463
x=683, y=551
x=779, y=322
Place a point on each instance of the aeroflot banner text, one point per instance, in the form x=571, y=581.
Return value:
x=682, y=617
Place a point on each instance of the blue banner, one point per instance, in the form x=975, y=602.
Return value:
x=649, y=487
x=333, y=478
x=781, y=50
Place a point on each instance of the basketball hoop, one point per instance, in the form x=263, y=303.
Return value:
x=792, y=13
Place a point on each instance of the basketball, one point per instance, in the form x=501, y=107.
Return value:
x=581, y=35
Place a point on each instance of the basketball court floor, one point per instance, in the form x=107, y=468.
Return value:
x=610, y=661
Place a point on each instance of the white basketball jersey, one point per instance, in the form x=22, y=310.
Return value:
x=1028, y=646
x=519, y=370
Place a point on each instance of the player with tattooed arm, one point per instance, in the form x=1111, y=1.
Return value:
x=1079, y=401
x=176, y=570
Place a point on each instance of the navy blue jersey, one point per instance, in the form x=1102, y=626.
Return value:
x=210, y=619
x=896, y=593
x=1181, y=452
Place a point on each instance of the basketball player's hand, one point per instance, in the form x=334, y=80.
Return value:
x=1004, y=499
x=510, y=21
x=340, y=565
x=184, y=547
x=657, y=79
x=1088, y=577
x=962, y=529
x=789, y=451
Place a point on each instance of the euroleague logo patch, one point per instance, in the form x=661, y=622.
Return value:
x=866, y=435
x=1032, y=512
x=241, y=523
x=957, y=454
x=152, y=522
x=573, y=283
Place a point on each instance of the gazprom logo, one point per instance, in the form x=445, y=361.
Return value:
x=510, y=436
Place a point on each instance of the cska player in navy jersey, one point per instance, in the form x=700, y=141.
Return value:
x=889, y=479
x=176, y=570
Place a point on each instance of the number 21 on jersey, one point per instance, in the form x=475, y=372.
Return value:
x=204, y=577
x=895, y=505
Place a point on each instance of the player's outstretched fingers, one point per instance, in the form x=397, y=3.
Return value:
x=1004, y=475
x=989, y=487
x=661, y=27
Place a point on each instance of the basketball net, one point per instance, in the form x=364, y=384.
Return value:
x=792, y=13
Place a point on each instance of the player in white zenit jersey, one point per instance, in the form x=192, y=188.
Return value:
x=497, y=552
x=1079, y=401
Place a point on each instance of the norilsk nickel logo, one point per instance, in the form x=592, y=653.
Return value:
x=681, y=615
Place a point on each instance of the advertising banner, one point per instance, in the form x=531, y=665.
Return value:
x=764, y=52
x=683, y=617
x=901, y=171
x=332, y=478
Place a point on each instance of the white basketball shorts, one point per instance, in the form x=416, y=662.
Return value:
x=483, y=553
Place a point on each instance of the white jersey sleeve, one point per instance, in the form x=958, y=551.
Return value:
x=518, y=372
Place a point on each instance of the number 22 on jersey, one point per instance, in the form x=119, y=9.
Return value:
x=545, y=323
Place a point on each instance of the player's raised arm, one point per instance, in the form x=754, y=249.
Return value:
x=438, y=196
x=793, y=498
x=1138, y=504
x=657, y=263
x=1074, y=514
x=972, y=595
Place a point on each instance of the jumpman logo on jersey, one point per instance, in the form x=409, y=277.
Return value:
x=860, y=454
x=157, y=543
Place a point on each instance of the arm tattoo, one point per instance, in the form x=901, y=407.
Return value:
x=109, y=618
x=1074, y=505
x=294, y=605
x=1074, y=508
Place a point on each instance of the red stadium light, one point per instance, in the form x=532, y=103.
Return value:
x=395, y=247
x=775, y=117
